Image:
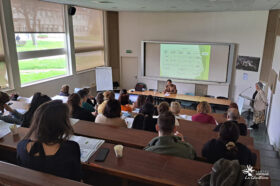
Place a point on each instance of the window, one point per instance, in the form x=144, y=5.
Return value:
x=40, y=39
x=4, y=83
x=88, y=37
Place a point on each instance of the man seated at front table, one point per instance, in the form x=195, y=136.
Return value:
x=170, y=142
x=170, y=88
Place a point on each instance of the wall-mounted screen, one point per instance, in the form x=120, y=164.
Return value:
x=187, y=61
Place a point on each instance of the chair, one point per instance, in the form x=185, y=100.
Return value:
x=221, y=108
x=189, y=104
x=140, y=87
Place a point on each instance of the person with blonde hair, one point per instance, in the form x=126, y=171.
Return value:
x=203, y=109
x=175, y=108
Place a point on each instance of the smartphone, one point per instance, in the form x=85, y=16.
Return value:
x=101, y=155
x=10, y=103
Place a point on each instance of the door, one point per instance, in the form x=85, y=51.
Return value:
x=129, y=71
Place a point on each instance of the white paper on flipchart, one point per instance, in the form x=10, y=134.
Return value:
x=104, y=80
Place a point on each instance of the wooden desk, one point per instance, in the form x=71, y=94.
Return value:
x=205, y=132
x=137, y=165
x=183, y=97
x=15, y=175
x=139, y=138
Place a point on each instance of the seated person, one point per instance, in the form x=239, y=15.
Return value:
x=46, y=146
x=84, y=96
x=108, y=95
x=170, y=88
x=226, y=146
x=124, y=100
x=163, y=107
x=203, y=109
x=139, y=102
x=233, y=115
x=64, y=91
x=175, y=108
x=144, y=120
x=150, y=99
x=231, y=105
x=4, y=98
x=111, y=114
x=76, y=111
x=25, y=119
x=99, y=100
x=167, y=142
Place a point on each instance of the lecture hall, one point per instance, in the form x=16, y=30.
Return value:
x=140, y=93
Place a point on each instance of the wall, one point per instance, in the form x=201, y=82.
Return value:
x=52, y=87
x=246, y=29
x=274, y=117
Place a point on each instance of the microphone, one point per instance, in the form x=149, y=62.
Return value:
x=245, y=90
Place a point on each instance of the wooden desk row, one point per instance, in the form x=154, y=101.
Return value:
x=183, y=97
x=15, y=175
x=139, y=138
x=137, y=165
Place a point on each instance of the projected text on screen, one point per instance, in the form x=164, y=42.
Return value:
x=185, y=61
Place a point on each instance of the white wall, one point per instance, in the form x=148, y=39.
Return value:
x=246, y=29
x=274, y=119
x=52, y=87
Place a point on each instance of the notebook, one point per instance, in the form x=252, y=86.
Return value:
x=88, y=146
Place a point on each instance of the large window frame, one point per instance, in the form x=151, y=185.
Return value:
x=12, y=57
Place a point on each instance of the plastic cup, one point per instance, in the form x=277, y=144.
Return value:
x=118, y=151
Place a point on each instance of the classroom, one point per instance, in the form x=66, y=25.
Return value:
x=159, y=92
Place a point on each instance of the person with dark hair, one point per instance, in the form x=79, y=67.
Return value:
x=144, y=120
x=170, y=142
x=64, y=91
x=25, y=119
x=226, y=146
x=84, y=97
x=150, y=99
x=233, y=115
x=47, y=147
x=108, y=95
x=99, y=99
x=124, y=100
x=163, y=107
x=76, y=111
x=203, y=109
x=139, y=102
x=111, y=114
x=170, y=88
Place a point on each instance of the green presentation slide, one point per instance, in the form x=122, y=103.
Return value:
x=185, y=61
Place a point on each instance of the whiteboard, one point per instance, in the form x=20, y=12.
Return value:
x=104, y=80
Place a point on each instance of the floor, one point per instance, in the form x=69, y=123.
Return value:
x=269, y=158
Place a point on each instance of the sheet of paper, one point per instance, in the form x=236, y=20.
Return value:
x=73, y=121
x=62, y=98
x=5, y=128
x=166, y=94
x=88, y=146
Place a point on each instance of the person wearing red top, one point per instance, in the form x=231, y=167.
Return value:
x=203, y=109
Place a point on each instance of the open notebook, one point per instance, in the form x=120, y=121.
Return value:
x=5, y=128
x=88, y=146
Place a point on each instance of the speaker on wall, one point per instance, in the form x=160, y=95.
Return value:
x=71, y=10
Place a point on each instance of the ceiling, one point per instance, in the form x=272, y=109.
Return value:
x=176, y=5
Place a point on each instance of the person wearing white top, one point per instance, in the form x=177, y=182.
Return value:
x=259, y=105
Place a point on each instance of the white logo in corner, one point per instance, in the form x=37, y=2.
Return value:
x=251, y=173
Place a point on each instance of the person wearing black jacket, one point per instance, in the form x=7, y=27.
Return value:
x=233, y=115
x=226, y=146
x=76, y=111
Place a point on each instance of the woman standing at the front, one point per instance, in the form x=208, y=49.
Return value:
x=259, y=104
